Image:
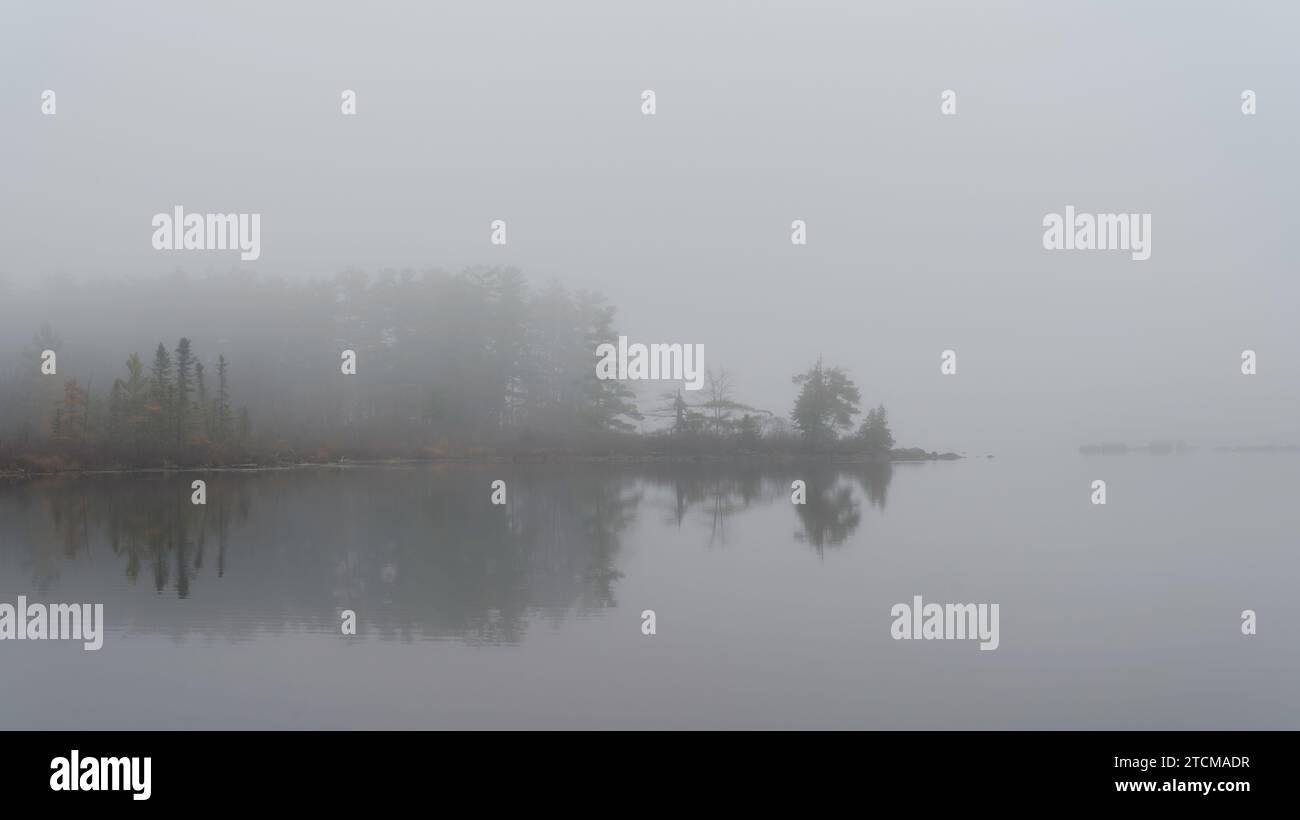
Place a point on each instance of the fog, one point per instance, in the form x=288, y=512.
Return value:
x=924, y=231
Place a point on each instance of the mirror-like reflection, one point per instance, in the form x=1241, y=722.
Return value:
x=831, y=512
x=769, y=613
x=421, y=550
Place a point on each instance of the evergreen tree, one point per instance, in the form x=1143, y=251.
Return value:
x=160, y=387
x=201, y=409
x=184, y=386
x=828, y=400
x=135, y=399
x=605, y=403
x=685, y=419
x=222, y=419
x=874, y=433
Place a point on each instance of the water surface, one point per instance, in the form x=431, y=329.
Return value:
x=768, y=614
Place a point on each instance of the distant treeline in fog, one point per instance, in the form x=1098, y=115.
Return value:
x=235, y=369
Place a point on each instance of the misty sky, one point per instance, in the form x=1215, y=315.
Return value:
x=924, y=230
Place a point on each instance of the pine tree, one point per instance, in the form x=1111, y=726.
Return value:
x=605, y=403
x=135, y=398
x=875, y=434
x=160, y=387
x=184, y=386
x=222, y=410
x=202, y=411
x=828, y=400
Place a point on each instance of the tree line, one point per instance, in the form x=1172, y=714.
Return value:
x=447, y=364
x=167, y=414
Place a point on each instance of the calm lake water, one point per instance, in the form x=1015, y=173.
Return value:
x=768, y=614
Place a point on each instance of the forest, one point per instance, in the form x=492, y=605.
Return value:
x=448, y=365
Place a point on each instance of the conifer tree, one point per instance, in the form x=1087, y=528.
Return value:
x=184, y=386
x=222, y=420
x=160, y=389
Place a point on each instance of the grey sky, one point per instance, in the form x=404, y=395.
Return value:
x=924, y=231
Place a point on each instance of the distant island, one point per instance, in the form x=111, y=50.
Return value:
x=1119, y=448
x=1164, y=448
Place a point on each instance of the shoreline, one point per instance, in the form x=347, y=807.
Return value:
x=897, y=457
